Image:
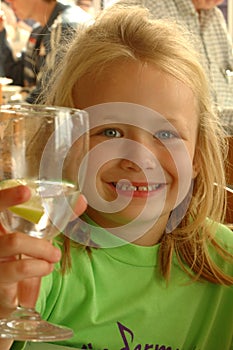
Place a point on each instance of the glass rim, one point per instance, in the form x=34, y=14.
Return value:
x=33, y=110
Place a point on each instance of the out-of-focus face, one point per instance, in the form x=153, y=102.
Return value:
x=206, y=4
x=24, y=9
x=85, y=4
x=133, y=143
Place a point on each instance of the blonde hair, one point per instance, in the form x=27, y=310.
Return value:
x=127, y=33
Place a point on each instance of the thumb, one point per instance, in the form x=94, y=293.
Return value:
x=13, y=196
x=81, y=206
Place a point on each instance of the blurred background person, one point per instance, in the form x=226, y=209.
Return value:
x=17, y=32
x=86, y=5
x=55, y=22
x=206, y=22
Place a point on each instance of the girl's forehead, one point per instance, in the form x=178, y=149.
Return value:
x=135, y=92
x=128, y=79
x=126, y=113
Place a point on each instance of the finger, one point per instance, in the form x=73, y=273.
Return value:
x=8, y=296
x=19, y=270
x=81, y=205
x=2, y=230
x=14, y=244
x=13, y=196
x=28, y=291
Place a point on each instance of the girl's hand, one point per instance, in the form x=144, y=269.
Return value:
x=18, y=276
x=41, y=256
x=13, y=196
x=81, y=205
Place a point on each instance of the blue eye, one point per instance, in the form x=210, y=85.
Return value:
x=165, y=135
x=111, y=133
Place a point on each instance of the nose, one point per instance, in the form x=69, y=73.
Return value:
x=138, y=157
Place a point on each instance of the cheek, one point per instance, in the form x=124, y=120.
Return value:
x=181, y=169
x=98, y=165
x=168, y=162
x=167, y=158
x=97, y=175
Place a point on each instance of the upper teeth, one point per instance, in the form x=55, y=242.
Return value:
x=128, y=187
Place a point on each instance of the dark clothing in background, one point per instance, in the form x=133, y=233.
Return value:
x=26, y=71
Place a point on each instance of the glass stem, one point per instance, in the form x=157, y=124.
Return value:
x=28, y=291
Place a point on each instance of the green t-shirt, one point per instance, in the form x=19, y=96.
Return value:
x=114, y=299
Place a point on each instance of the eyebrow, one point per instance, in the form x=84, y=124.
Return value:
x=163, y=121
x=176, y=123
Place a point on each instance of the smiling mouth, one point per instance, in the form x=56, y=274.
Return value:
x=133, y=188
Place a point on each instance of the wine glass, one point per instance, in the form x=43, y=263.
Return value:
x=43, y=147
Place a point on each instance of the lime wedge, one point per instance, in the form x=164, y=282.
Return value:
x=31, y=210
x=28, y=211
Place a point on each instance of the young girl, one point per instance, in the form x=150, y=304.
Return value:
x=149, y=265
